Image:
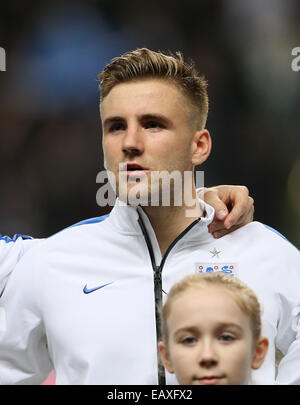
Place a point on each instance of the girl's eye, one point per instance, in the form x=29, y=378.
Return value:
x=188, y=340
x=226, y=337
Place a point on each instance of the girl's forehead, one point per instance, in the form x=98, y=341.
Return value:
x=206, y=291
x=212, y=304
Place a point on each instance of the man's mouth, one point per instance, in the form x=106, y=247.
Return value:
x=133, y=169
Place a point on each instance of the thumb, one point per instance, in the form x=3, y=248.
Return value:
x=221, y=210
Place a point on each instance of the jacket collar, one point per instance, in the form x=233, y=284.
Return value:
x=124, y=218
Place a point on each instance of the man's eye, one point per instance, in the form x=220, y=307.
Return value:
x=153, y=124
x=225, y=337
x=116, y=127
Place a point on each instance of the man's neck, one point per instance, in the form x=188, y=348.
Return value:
x=170, y=222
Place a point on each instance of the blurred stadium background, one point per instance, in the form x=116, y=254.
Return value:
x=50, y=133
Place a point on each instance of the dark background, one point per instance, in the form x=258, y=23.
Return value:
x=50, y=133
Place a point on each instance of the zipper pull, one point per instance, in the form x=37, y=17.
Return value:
x=157, y=275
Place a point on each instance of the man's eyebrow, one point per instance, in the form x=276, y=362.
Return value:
x=142, y=117
x=156, y=117
x=110, y=120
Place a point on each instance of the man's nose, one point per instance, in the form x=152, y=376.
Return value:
x=133, y=141
x=208, y=356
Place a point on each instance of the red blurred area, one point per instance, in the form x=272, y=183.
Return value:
x=50, y=380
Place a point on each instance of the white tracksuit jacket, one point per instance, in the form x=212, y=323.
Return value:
x=83, y=301
x=11, y=251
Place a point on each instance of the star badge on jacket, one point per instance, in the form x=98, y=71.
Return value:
x=215, y=252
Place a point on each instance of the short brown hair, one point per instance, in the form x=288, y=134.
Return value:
x=144, y=63
x=241, y=293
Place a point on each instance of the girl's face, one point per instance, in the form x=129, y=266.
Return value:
x=210, y=339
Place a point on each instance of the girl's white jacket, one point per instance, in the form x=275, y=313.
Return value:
x=83, y=301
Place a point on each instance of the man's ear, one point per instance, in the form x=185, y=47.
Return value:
x=260, y=352
x=201, y=147
x=165, y=358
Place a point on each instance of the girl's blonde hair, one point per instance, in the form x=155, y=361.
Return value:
x=241, y=293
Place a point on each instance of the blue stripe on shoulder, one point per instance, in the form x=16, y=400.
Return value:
x=90, y=221
x=279, y=234
x=274, y=230
x=7, y=239
x=84, y=222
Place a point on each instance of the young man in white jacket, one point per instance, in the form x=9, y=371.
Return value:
x=87, y=299
x=13, y=249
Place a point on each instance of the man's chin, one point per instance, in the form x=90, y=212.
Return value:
x=135, y=200
x=135, y=194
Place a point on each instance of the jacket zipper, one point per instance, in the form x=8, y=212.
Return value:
x=158, y=287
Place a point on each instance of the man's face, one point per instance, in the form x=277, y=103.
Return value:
x=210, y=338
x=145, y=127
